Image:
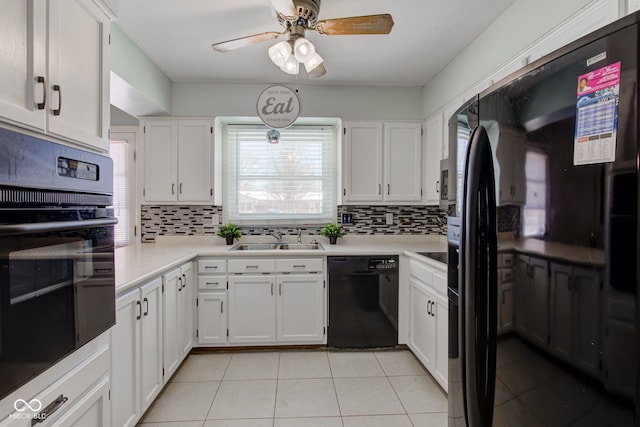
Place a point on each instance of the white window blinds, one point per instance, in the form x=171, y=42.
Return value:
x=119, y=152
x=535, y=208
x=292, y=181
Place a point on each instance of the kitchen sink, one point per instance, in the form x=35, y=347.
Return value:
x=254, y=246
x=274, y=246
x=300, y=246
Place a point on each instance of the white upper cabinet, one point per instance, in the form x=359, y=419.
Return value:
x=434, y=137
x=57, y=57
x=178, y=160
x=382, y=162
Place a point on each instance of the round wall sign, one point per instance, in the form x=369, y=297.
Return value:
x=278, y=107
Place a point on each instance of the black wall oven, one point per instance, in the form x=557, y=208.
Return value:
x=57, y=281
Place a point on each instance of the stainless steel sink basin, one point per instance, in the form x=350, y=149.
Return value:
x=274, y=246
x=254, y=246
x=301, y=246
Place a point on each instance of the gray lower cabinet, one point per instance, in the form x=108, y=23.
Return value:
x=531, y=294
x=575, y=309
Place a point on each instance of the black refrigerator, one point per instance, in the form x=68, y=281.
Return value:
x=543, y=241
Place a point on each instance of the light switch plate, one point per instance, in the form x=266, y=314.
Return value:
x=347, y=218
x=389, y=218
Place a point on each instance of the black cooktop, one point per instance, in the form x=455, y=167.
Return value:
x=438, y=256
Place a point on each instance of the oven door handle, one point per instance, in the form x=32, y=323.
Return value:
x=43, y=227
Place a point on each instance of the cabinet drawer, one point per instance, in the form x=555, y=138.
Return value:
x=252, y=265
x=421, y=272
x=506, y=276
x=440, y=282
x=212, y=266
x=299, y=265
x=212, y=282
x=505, y=260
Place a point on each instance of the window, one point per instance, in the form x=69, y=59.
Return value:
x=535, y=208
x=292, y=181
x=121, y=151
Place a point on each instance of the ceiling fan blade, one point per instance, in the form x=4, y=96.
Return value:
x=371, y=24
x=244, y=41
x=286, y=8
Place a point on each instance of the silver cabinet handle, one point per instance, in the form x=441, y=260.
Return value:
x=437, y=186
x=146, y=306
x=212, y=283
x=179, y=284
x=173, y=189
x=300, y=266
x=184, y=280
x=221, y=307
x=379, y=188
x=49, y=409
x=56, y=88
x=139, y=306
x=180, y=188
x=251, y=267
x=388, y=189
x=280, y=289
x=214, y=267
x=42, y=81
x=271, y=288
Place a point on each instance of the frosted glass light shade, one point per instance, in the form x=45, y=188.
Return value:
x=303, y=49
x=291, y=65
x=313, y=62
x=280, y=52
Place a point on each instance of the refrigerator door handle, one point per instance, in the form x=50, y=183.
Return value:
x=478, y=274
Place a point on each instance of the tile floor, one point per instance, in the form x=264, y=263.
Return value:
x=300, y=389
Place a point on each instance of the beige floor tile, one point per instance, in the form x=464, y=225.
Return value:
x=256, y=422
x=244, y=399
x=377, y=421
x=253, y=366
x=367, y=396
x=354, y=364
x=308, y=422
x=183, y=402
x=402, y=362
x=173, y=424
x=306, y=398
x=203, y=367
x=434, y=419
x=304, y=364
x=420, y=394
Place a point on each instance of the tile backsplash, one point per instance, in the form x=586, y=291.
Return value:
x=169, y=220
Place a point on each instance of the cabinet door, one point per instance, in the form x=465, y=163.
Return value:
x=125, y=360
x=22, y=61
x=160, y=161
x=186, y=309
x=561, y=315
x=194, y=161
x=440, y=316
x=402, y=162
x=252, y=309
x=422, y=333
x=212, y=318
x=300, y=308
x=539, y=303
x=587, y=320
x=151, y=342
x=505, y=307
x=171, y=340
x=79, y=72
x=93, y=409
x=521, y=293
x=433, y=154
x=362, y=159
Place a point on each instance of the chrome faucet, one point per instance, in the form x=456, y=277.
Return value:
x=277, y=235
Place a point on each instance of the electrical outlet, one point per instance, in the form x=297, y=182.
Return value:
x=389, y=218
x=347, y=218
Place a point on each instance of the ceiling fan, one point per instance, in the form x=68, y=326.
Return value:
x=298, y=16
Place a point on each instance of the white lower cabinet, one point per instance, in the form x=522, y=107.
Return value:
x=212, y=317
x=276, y=306
x=91, y=410
x=178, y=316
x=531, y=295
x=429, y=320
x=300, y=308
x=136, y=353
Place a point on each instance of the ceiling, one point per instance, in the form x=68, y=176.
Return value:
x=428, y=34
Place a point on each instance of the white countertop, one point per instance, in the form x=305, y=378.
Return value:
x=138, y=263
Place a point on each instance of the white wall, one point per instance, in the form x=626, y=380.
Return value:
x=138, y=87
x=518, y=27
x=346, y=102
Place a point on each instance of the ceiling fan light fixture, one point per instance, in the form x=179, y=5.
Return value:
x=303, y=49
x=280, y=52
x=291, y=65
x=313, y=62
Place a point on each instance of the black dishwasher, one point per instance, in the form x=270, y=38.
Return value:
x=363, y=301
